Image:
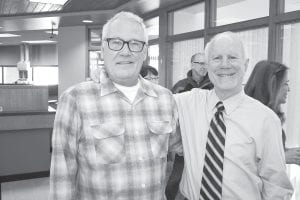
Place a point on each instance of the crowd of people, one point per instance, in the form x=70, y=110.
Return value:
x=111, y=137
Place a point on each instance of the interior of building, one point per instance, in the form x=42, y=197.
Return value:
x=46, y=46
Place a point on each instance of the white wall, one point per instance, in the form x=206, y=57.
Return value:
x=72, y=56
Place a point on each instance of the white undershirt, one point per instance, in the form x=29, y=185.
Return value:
x=129, y=92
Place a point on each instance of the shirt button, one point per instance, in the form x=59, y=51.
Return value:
x=143, y=185
x=140, y=158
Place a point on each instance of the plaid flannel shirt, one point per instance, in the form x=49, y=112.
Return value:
x=105, y=147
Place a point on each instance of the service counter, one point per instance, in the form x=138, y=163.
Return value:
x=25, y=133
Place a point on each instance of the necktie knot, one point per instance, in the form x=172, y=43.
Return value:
x=220, y=107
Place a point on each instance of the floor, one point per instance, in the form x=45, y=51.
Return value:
x=37, y=189
x=33, y=189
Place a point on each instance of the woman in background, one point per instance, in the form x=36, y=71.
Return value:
x=268, y=83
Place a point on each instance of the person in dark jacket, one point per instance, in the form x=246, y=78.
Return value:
x=196, y=77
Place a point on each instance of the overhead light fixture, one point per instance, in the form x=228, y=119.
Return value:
x=39, y=41
x=59, y=2
x=88, y=21
x=8, y=35
x=52, y=32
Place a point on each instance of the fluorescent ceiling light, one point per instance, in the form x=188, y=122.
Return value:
x=38, y=41
x=87, y=21
x=8, y=35
x=59, y=2
x=54, y=32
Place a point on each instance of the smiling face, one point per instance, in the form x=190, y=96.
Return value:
x=283, y=90
x=123, y=67
x=198, y=65
x=226, y=65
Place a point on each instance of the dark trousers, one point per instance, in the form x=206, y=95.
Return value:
x=175, y=177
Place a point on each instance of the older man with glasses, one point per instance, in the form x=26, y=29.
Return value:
x=111, y=138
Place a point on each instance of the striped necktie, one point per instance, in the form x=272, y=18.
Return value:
x=211, y=184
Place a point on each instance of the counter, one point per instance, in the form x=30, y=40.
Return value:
x=25, y=144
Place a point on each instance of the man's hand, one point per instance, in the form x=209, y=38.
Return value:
x=292, y=156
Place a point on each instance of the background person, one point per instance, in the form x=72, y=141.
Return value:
x=268, y=83
x=232, y=143
x=149, y=73
x=196, y=77
x=110, y=139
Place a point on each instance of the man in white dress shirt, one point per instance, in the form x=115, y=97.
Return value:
x=254, y=162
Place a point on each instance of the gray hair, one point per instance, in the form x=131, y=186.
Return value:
x=194, y=55
x=128, y=16
x=228, y=34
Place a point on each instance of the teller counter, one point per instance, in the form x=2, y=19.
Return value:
x=25, y=135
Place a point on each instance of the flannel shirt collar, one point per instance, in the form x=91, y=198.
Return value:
x=107, y=87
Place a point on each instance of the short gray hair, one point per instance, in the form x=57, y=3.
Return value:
x=194, y=55
x=233, y=36
x=128, y=16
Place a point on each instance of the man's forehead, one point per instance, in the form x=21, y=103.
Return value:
x=199, y=58
x=126, y=29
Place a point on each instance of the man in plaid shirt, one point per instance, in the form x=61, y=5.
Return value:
x=111, y=138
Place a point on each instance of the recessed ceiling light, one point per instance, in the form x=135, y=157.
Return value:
x=8, y=35
x=87, y=21
x=38, y=41
x=59, y=2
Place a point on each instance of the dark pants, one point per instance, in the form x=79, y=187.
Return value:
x=175, y=177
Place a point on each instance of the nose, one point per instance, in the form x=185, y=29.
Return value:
x=125, y=50
x=224, y=62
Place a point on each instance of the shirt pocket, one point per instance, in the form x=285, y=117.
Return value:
x=159, y=137
x=243, y=149
x=109, y=142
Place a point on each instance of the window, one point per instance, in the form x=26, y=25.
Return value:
x=1, y=79
x=11, y=75
x=186, y=20
x=256, y=47
x=95, y=64
x=45, y=75
x=291, y=5
x=152, y=26
x=181, y=57
x=290, y=57
x=153, y=55
x=231, y=11
x=95, y=38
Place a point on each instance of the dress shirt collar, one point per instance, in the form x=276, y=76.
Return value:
x=230, y=104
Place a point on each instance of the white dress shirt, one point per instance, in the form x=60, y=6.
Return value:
x=254, y=162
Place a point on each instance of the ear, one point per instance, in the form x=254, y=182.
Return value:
x=145, y=52
x=246, y=64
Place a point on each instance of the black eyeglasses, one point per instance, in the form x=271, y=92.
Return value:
x=116, y=44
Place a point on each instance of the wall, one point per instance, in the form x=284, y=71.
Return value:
x=43, y=54
x=9, y=55
x=72, y=56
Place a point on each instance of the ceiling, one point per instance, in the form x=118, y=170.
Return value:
x=30, y=20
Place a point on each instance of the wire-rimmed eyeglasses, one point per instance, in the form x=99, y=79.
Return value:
x=116, y=44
